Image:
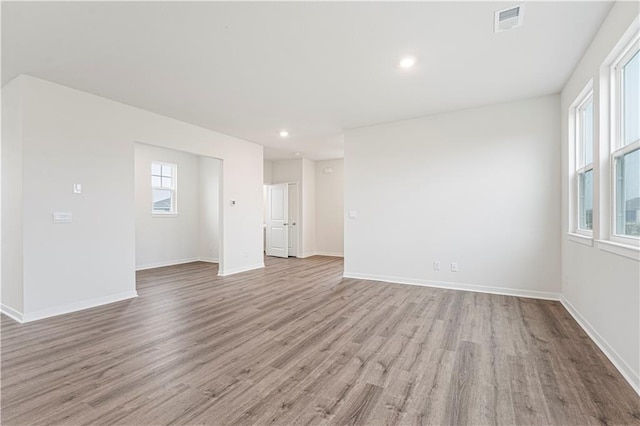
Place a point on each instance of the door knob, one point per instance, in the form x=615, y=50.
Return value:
x=293, y=224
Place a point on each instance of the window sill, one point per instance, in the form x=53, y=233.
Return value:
x=164, y=214
x=620, y=249
x=580, y=239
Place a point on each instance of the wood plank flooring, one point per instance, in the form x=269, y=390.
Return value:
x=295, y=343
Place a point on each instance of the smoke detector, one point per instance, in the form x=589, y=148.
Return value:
x=507, y=19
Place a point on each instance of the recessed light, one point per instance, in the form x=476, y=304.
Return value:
x=297, y=154
x=407, y=62
x=284, y=133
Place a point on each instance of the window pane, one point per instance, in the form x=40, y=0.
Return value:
x=587, y=129
x=162, y=201
x=155, y=181
x=155, y=169
x=628, y=194
x=167, y=170
x=167, y=182
x=585, y=189
x=631, y=100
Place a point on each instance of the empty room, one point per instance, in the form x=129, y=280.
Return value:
x=365, y=213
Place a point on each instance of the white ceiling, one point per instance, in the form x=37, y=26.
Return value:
x=251, y=69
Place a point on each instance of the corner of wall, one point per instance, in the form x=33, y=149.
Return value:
x=12, y=262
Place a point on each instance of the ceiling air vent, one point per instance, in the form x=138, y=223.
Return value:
x=508, y=18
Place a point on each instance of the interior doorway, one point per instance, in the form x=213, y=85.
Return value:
x=282, y=221
x=178, y=207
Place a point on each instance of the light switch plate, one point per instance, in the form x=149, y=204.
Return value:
x=353, y=214
x=77, y=188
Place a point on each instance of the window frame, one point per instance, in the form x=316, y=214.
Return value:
x=579, y=169
x=174, y=189
x=576, y=169
x=617, y=149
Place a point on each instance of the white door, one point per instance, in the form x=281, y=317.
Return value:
x=277, y=220
x=293, y=219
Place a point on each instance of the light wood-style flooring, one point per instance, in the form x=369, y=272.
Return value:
x=297, y=344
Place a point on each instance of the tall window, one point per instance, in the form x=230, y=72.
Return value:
x=626, y=145
x=163, y=188
x=584, y=163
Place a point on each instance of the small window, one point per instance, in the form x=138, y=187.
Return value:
x=625, y=154
x=584, y=164
x=163, y=188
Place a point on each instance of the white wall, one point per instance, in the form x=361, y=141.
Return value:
x=163, y=240
x=308, y=203
x=479, y=187
x=70, y=137
x=601, y=289
x=12, y=259
x=286, y=171
x=267, y=180
x=267, y=172
x=209, y=240
x=330, y=207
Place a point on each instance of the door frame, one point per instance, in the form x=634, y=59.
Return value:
x=297, y=225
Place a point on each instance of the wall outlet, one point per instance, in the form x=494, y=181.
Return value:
x=454, y=266
x=436, y=265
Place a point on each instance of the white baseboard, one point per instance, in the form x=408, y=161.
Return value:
x=77, y=306
x=167, y=263
x=11, y=313
x=457, y=286
x=308, y=254
x=227, y=272
x=328, y=253
x=319, y=253
x=176, y=262
x=627, y=372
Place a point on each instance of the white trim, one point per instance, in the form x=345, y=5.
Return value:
x=575, y=138
x=627, y=47
x=328, y=253
x=78, y=306
x=11, y=313
x=580, y=239
x=177, y=262
x=228, y=272
x=308, y=254
x=457, y=286
x=167, y=263
x=627, y=372
x=627, y=149
x=620, y=249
